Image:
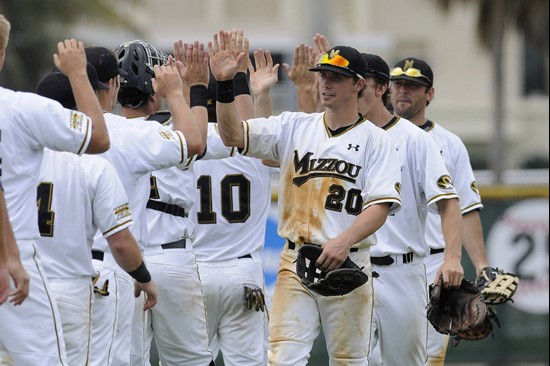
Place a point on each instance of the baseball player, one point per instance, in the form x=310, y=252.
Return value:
x=339, y=175
x=233, y=198
x=166, y=147
x=94, y=198
x=399, y=324
x=178, y=323
x=412, y=91
x=37, y=123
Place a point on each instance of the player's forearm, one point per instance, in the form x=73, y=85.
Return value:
x=229, y=124
x=371, y=219
x=3, y=227
x=87, y=103
x=125, y=250
x=262, y=105
x=184, y=121
x=473, y=240
x=451, y=225
x=245, y=106
x=306, y=100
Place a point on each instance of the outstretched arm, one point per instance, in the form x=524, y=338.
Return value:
x=305, y=80
x=263, y=77
x=224, y=66
x=71, y=60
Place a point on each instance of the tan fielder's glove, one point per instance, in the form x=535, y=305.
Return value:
x=496, y=285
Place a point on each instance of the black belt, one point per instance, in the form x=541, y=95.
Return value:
x=244, y=256
x=180, y=244
x=388, y=260
x=98, y=255
x=435, y=251
x=166, y=208
x=292, y=246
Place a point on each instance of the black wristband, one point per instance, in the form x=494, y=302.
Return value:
x=198, y=96
x=241, y=84
x=141, y=274
x=224, y=91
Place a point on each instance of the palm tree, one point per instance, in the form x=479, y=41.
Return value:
x=38, y=25
x=495, y=17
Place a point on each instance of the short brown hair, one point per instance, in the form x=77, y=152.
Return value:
x=4, y=32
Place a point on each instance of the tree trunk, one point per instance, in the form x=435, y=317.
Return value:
x=498, y=157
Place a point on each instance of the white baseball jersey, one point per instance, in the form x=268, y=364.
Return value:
x=424, y=181
x=233, y=197
x=326, y=181
x=176, y=187
x=45, y=124
x=139, y=147
x=457, y=161
x=76, y=196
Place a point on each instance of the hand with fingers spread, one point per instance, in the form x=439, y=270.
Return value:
x=151, y=293
x=321, y=45
x=263, y=76
x=196, y=71
x=70, y=58
x=167, y=80
x=299, y=72
x=223, y=63
x=239, y=43
x=180, y=55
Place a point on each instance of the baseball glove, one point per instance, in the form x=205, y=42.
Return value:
x=340, y=281
x=496, y=285
x=456, y=311
x=483, y=330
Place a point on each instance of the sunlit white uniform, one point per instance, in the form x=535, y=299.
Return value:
x=399, y=323
x=233, y=197
x=76, y=196
x=138, y=147
x=326, y=182
x=31, y=334
x=178, y=320
x=457, y=161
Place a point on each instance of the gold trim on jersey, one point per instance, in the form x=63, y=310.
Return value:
x=117, y=226
x=436, y=198
x=246, y=137
x=472, y=207
x=430, y=126
x=182, y=147
x=382, y=200
x=85, y=136
x=391, y=123
x=350, y=127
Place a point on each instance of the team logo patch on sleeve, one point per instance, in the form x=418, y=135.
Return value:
x=76, y=121
x=166, y=135
x=445, y=182
x=398, y=187
x=122, y=212
x=474, y=188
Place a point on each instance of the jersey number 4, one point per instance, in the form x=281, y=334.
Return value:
x=230, y=186
x=45, y=214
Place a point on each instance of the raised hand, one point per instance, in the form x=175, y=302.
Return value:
x=167, y=79
x=321, y=45
x=223, y=64
x=239, y=43
x=264, y=76
x=70, y=58
x=299, y=72
x=196, y=71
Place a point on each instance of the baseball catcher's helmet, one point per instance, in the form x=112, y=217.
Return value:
x=136, y=59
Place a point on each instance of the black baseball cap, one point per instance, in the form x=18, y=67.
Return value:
x=343, y=60
x=57, y=86
x=376, y=67
x=414, y=70
x=105, y=63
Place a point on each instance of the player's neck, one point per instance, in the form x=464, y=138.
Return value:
x=379, y=115
x=341, y=117
x=419, y=119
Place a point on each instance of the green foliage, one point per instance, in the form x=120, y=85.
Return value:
x=37, y=26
